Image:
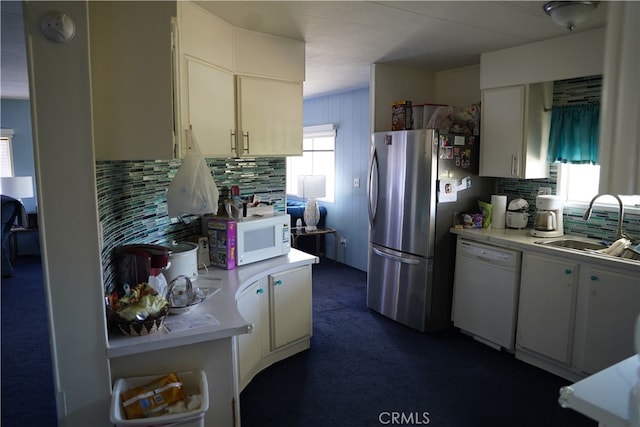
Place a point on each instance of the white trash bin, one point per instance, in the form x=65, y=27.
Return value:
x=195, y=382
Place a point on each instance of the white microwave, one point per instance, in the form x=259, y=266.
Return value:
x=262, y=238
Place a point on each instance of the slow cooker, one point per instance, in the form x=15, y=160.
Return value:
x=183, y=261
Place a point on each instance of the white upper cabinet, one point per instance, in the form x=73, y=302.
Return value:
x=205, y=36
x=240, y=91
x=206, y=96
x=209, y=111
x=259, y=54
x=132, y=79
x=269, y=117
x=515, y=125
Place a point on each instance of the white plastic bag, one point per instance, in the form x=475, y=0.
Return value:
x=193, y=190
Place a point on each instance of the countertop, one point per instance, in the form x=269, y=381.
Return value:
x=216, y=317
x=523, y=240
x=604, y=396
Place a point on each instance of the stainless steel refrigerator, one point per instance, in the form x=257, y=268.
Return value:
x=411, y=252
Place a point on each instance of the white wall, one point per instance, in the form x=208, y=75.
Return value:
x=391, y=83
x=459, y=86
x=63, y=147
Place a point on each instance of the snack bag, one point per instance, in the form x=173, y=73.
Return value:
x=486, y=209
x=153, y=398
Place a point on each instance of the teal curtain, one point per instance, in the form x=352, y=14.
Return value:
x=574, y=133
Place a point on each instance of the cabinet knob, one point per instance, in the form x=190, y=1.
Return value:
x=567, y=271
x=259, y=291
x=594, y=277
x=278, y=282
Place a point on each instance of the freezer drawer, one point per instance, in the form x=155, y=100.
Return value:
x=397, y=286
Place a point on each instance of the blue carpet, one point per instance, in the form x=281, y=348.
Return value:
x=363, y=369
x=27, y=380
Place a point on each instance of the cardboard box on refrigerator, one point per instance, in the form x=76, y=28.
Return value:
x=222, y=236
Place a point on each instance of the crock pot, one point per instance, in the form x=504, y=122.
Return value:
x=183, y=261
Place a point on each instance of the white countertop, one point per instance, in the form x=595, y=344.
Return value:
x=523, y=240
x=604, y=396
x=226, y=321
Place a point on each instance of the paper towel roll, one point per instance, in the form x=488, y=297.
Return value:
x=498, y=211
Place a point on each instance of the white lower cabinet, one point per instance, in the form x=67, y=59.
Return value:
x=545, y=314
x=607, y=306
x=575, y=317
x=290, y=294
x=250, y=305
x=279, y=307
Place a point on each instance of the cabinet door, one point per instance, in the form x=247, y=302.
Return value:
x=290, y=306
x=607, y=307
x=205, y=36
x=501, y=144
x=250, y=345
x=545, y=314
x=269, y=117
x=210, y=107
x=132, y=82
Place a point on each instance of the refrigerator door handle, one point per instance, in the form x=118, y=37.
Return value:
x=373, y=187
x=395, y=257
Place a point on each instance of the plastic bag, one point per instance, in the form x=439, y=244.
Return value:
x=193, y=190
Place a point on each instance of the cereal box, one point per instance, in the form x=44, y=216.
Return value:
x=222, y=236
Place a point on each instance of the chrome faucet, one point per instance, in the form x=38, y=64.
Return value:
x=587, y=214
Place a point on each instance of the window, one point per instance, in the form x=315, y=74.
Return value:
x=6, y=154
x=318, y=158
x=578, y=183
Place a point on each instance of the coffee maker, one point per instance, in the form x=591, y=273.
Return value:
x=548, y=218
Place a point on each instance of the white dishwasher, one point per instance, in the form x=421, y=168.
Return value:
x=485, y=292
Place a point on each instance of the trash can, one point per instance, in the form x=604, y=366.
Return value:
x=194, y=382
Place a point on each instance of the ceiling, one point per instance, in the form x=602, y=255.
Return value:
x=344, y=38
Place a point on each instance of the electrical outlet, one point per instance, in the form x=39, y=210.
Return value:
x=343, y=242
x=356, y=182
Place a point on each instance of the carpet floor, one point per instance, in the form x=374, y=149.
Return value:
x=364, y=369
x=27, y=390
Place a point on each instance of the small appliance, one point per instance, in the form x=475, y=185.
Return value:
x=517, y=214
x=142, y=263
x=183, y=261
x=262, y=238
x=251, y=240
x=548, y=218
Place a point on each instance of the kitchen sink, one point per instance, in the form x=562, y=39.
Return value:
x=571, y=243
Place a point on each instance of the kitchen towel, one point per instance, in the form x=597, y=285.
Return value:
x=499, y=211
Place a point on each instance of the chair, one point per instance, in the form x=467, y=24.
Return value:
x=10, y=208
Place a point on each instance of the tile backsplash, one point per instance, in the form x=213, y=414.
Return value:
x=132, y=201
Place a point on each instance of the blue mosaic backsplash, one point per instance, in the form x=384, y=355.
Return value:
x=132, y=200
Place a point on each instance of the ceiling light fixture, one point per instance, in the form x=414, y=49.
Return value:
x=570, y=13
